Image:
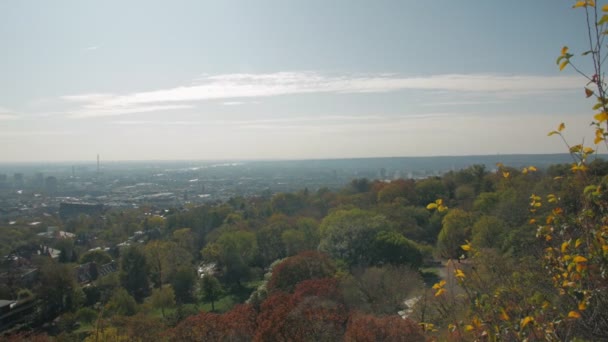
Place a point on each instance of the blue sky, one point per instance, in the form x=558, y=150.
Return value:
x=152, y=80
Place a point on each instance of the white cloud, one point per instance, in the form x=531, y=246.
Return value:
x=6, y=114
x=92, y=48
x=238, y=86
x=94, y=110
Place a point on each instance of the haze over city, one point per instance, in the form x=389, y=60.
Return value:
x=153, y=80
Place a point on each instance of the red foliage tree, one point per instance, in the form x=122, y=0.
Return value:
x=293, y=270
x=235, y=325
x=314, y=312
x=364, y=328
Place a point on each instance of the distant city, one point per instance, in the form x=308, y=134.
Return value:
x=34, y=189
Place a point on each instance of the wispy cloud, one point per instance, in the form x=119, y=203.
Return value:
x=92, y=48
x=7, y=114
x=232, y=103
x=155, y=123
x=240, y=86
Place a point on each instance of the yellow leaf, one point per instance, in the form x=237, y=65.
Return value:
x=601, y=117
x=526, y=321
x=503, y=315
x=525, y=171
x=588, y=150
x=431, y=206
x=574, y=314
x=580, y=4
x=564, y=50
x=563, y=65
x=506, y=174
x=552, y=133
x=598, y=139
x=532, y=169
x=561, y=127
x=580, y=267
x=565, y=247
x=439, y=285
x=605, y=8
x=468, y=328
x=466, y=247
x=579, y=258
x=588, y=92
x=532, y=221
x=439, y=292
x=582, y=306
x=459, y=274
x=577, y=243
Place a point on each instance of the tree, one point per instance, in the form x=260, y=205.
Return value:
x=488, y=232
x=366, y=328
x=381, y=290
x=57, y=288
x=183, y=282
x=314, y=312
x=187, y=240
x=390, y=247
x=293, y=270
x=134, y=273
x=164, y=258
x=456, y=228
x=121, y=303
x=211, y=289
x=162, y=298
x=346, y=234
x=239, y=324
x=234, y=251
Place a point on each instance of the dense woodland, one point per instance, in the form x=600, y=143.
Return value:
x=320, y=265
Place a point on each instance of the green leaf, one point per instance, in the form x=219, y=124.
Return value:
x=586, y=53
x=597, y=106
x=603, y=20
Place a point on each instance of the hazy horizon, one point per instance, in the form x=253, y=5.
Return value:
x=276, y=80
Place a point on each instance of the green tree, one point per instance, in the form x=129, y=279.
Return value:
x=121, y=303
x=211, y=290
x=389, y=247
x=163, y=298
x=456, y=228
x=164, y=258
x=346, y=234
x=183, y=282
x=134, y=273
x=234, y=251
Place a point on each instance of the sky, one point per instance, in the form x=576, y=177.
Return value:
x=286, y=79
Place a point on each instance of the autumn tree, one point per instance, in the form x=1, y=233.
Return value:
x=367, y=328
x=293, y=270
